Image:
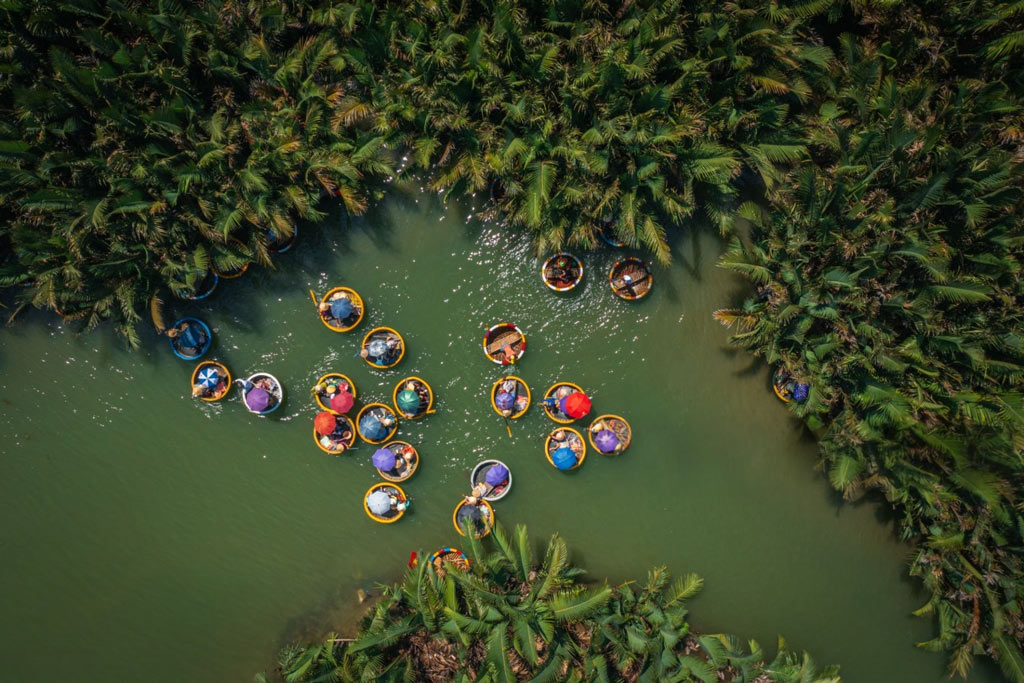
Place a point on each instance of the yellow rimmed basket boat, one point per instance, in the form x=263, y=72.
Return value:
x=384, y=414
x=572, y=437
x=630, y=279
x=407, y=468
x=424, y=401
x=398, y=506
x=340, y=440
x=561, y=272
x=337, y=380
x=384, y=348
x=556, y=413
x=452, y=556
x=521, y=391
x=782, y=383
x=504, y=343
x=482, y=520
x=787, y=387
x=349, y=322
x=618, y=426
x=202, y=376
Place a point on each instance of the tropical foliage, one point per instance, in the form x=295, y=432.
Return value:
x=142, y=144
x=888, y=269
x=512, y=619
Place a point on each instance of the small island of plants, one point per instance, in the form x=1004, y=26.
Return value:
x=505, y=617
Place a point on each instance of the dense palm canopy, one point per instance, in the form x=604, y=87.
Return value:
x=874, y=148
x=512, y=619
x=144, y=143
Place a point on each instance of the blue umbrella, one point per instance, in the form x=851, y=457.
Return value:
x=384, y=459
x=377, y=348
x=496, y=475
x=209, y=378
x=371, y=427
x=341, y=308
x=504, y=400
x=191, y=337
x=606, y=441
x=564, y=458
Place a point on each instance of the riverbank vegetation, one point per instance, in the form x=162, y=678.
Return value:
x=875, y=150
x=510, y=618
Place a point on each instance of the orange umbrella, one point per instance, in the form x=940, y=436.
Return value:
x=324, y=423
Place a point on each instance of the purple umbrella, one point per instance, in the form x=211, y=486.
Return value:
x=257, y=399
x=496, y=475
x=504, y=400
x=606, y=441
x=384, y=459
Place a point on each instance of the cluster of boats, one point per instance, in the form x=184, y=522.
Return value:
x=335, y=430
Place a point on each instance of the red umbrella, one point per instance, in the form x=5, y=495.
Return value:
x=324, y=423
x=341, y=402
x=576, y=405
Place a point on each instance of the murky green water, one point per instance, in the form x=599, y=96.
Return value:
x=149, y=537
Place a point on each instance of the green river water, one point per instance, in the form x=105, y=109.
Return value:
x=148, y=537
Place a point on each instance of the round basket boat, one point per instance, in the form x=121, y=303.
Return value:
x=267, y=382
x=483, y=521
x=521, y=394
x=202, y=339
x=232, y=273
x=572, y=437
x=399, y=503
x=787, y=387
x=782, y=383
x=392, y=351
x=556, y=413
x=383, y=413
x=204, y=374
x=504, y=343
x=203, y=288
x=479, y=475
x=349, y=322
x=333, y=382
x=340, y=440
x=607, y=235
x=452, y=556
x=279, y=245
x=424, y=394
x=403, y=468
x=630, y=279
x=618, y=426
x=562, y=272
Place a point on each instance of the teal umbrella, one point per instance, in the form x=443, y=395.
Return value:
x=408, y=401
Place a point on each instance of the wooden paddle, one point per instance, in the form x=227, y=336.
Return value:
x=313, y=297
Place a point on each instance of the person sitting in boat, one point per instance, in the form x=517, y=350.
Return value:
x=553, y=402
x=509, y=353
x=198, y=390
x=628, y=283
x=387, y=420
x=398, y=504
x=394, y=345
x=420, y=390
x=189, y=339
x=404, y=461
